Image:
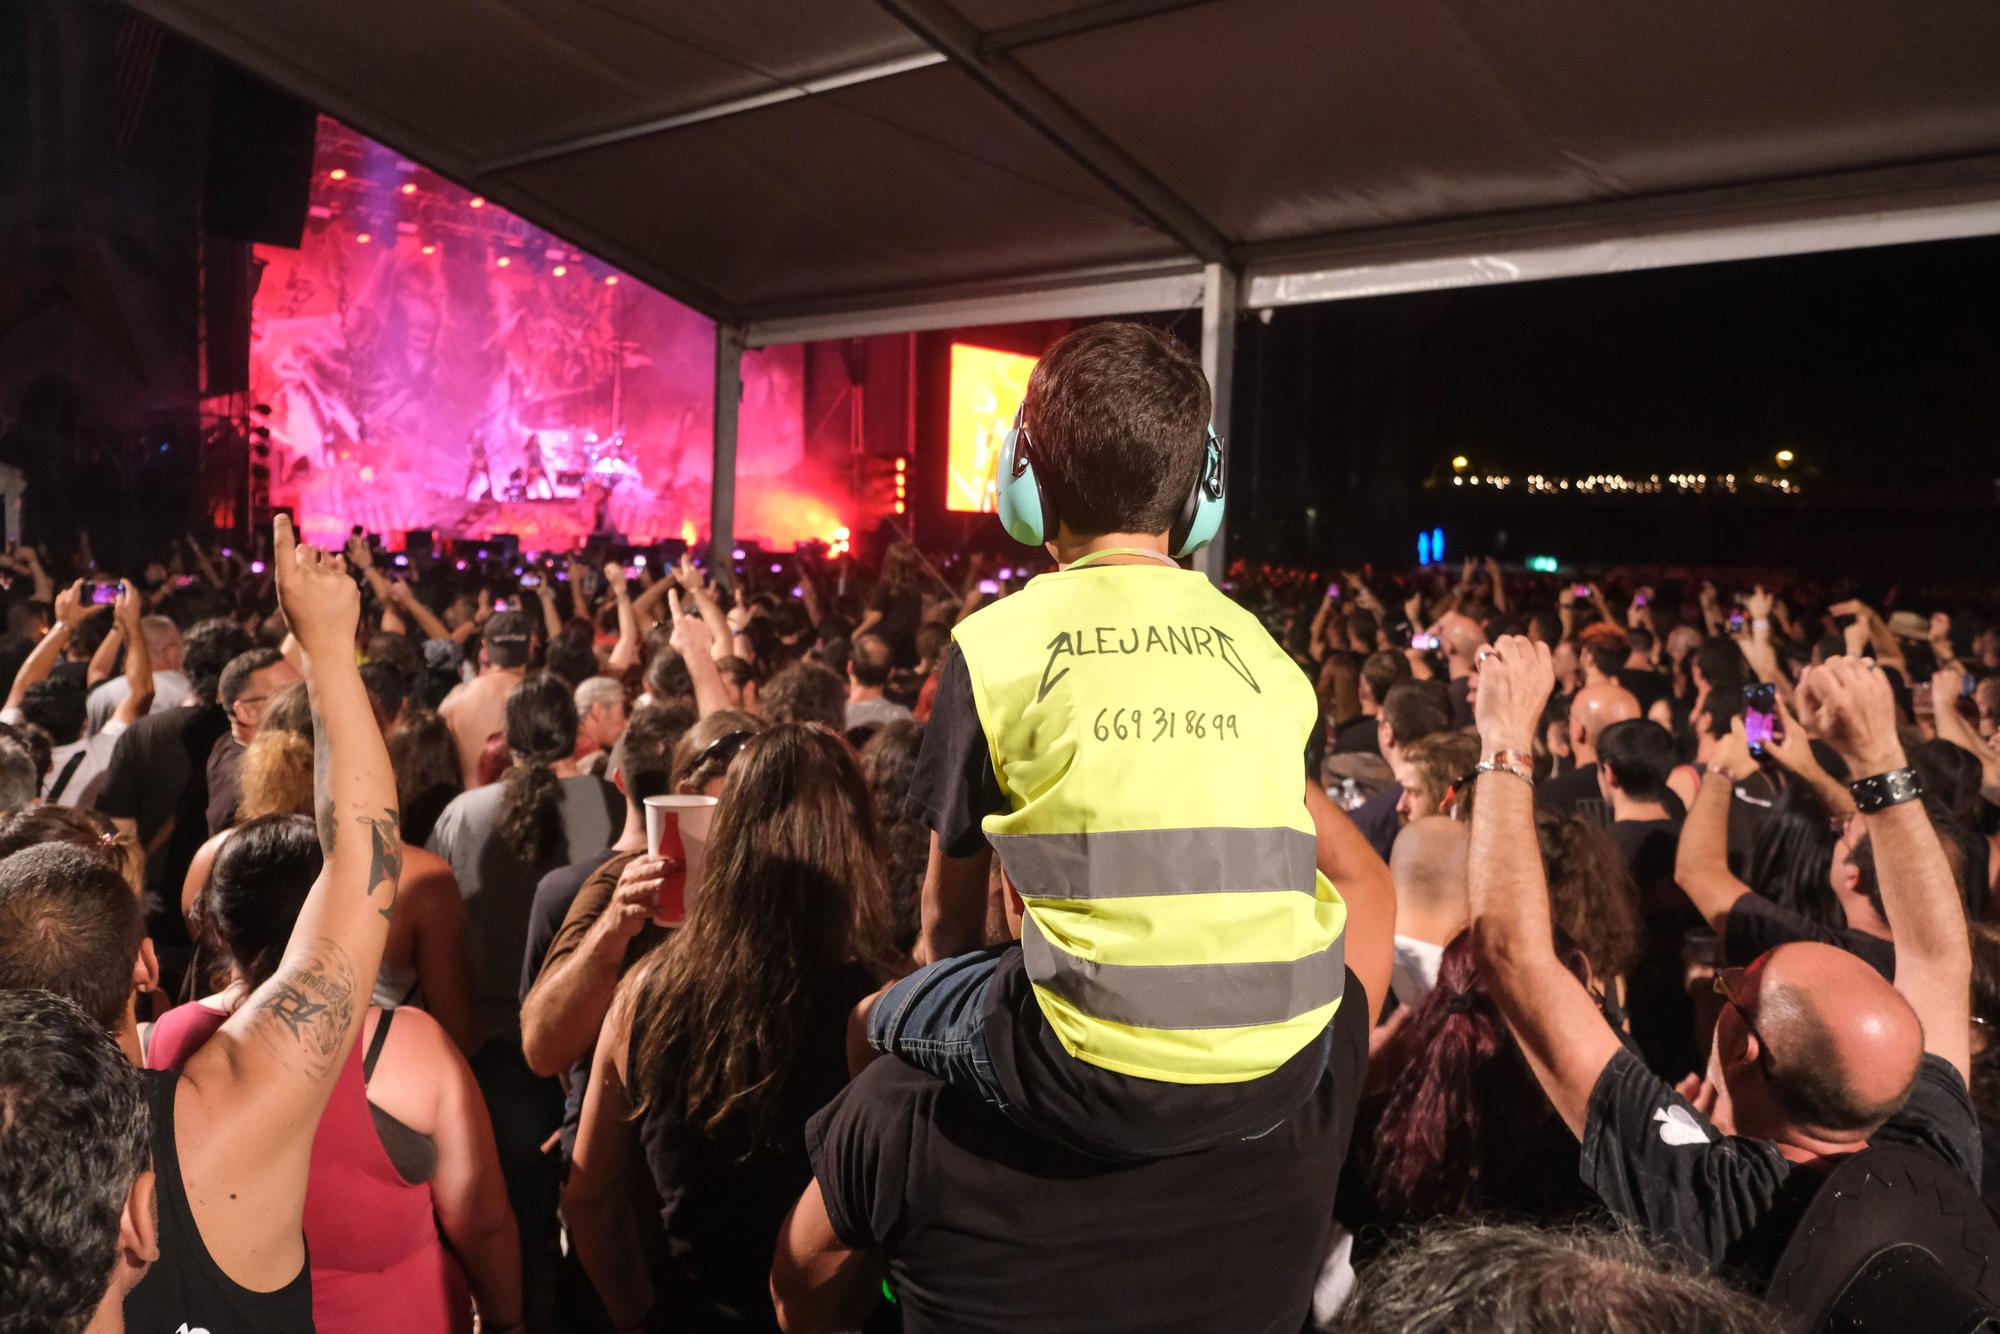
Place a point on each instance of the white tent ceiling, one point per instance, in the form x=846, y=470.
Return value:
x=813, y=167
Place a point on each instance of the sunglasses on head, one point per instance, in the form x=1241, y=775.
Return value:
x=721, y=750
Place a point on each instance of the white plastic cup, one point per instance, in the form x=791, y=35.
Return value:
x=687, y=815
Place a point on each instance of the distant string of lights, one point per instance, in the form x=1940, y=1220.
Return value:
x=1618, y=484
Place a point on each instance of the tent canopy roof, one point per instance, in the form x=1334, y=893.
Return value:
x=779, y=160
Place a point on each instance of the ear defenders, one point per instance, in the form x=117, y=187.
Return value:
x=1029, y=516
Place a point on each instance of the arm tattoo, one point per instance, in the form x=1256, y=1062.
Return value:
x=386, y=862
x=305, y=1013
x=322, y=787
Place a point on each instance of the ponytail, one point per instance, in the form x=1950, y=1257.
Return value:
x=531, y=825
x=541, y=730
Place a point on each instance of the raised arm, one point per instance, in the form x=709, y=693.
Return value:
x=106, y=657
x=1701, y=864
x=71, y=610
x=138, y=658
x=625, y=653
x=1558, y=1025
x=1849, y=705
x=253, y=1095
x=695, y=642
x=1946, y=683
x=695, y=583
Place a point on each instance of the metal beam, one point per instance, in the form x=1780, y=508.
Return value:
x=1178, y=287
x=1221, y=304
x=722, y=481
x=734, y=106
x=1076, y=22
x=1854, y=210
x=1030, y=99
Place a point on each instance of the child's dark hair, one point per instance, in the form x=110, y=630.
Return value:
x=1117, y=418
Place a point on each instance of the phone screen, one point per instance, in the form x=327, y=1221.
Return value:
x=531, y=581
x=1759, y=716
x=103, y=595
x=501, y=604
x=1965, y=687
x=1735, y=621
x=1639, y=599
x=1332, y=591
x=1581, y=590
x=990, y=587
x=1426, y=642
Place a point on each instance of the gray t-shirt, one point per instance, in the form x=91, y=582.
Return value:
x=499, y=888
x=170, y=691
x=876, y=712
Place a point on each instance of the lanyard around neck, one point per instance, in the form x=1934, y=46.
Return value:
x=1161, y=557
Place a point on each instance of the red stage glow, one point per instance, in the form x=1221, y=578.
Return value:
x=423, y=387
x=986, y=390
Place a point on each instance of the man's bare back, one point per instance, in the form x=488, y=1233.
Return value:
x=474, y=712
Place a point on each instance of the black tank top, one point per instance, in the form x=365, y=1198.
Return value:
x=186, y=1292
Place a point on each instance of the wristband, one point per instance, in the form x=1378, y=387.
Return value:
x=1507, y=762
x=1885, y=790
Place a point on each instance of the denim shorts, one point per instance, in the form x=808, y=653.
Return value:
x=935, y=1020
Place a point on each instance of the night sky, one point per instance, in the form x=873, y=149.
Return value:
x=1879, y=368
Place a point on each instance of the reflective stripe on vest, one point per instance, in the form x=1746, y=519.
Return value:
x=1148, y=736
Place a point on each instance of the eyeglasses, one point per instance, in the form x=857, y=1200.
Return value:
x=1729, y=986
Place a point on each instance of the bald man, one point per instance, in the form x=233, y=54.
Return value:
x=1591, y=710
x=1461, y=637
x=1427, y=866
x=1815, y=1055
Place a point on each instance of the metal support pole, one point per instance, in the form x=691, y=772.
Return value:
x=1221, y=303
x=722, y=486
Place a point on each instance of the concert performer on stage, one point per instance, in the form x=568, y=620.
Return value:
x=478, y=471
x=535, y=468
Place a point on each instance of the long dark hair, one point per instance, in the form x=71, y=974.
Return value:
x=541, y=732
x=1792, y=859
x=889, y=765
x=792, y=889
x=262, y=875
x=1458, y=1102
x=427, y=774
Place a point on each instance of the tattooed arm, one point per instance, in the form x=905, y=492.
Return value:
x=250, y=1100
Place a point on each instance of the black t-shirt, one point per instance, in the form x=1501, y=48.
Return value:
x=902, y=612
x=1377, y=820
x=1656, y=999
x=1756, y=924
x=225, y=763
x=1050, y=1092
x=723, y=1199
x=159, y=773
x=1567, y=793
x=185, y=1289
x=987, y=1228
x=1360, y=737
x=953, y=788
x=554, y=893
x=1731, y=1202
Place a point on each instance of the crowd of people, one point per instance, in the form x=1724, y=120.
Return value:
x=1083, y=947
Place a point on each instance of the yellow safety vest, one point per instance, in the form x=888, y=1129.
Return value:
x=1149, y=738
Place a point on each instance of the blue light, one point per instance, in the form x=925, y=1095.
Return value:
x=1437, y=545
x=1423, y=548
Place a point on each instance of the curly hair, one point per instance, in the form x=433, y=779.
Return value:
x=1591, y=896
x=276, y=775
x=75, y=1136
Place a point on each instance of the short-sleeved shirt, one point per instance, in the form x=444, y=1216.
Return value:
x=499, y=888
x=988, y=1228
x=1755, y=924
x=1731, y=1202
x=1050, y=1092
